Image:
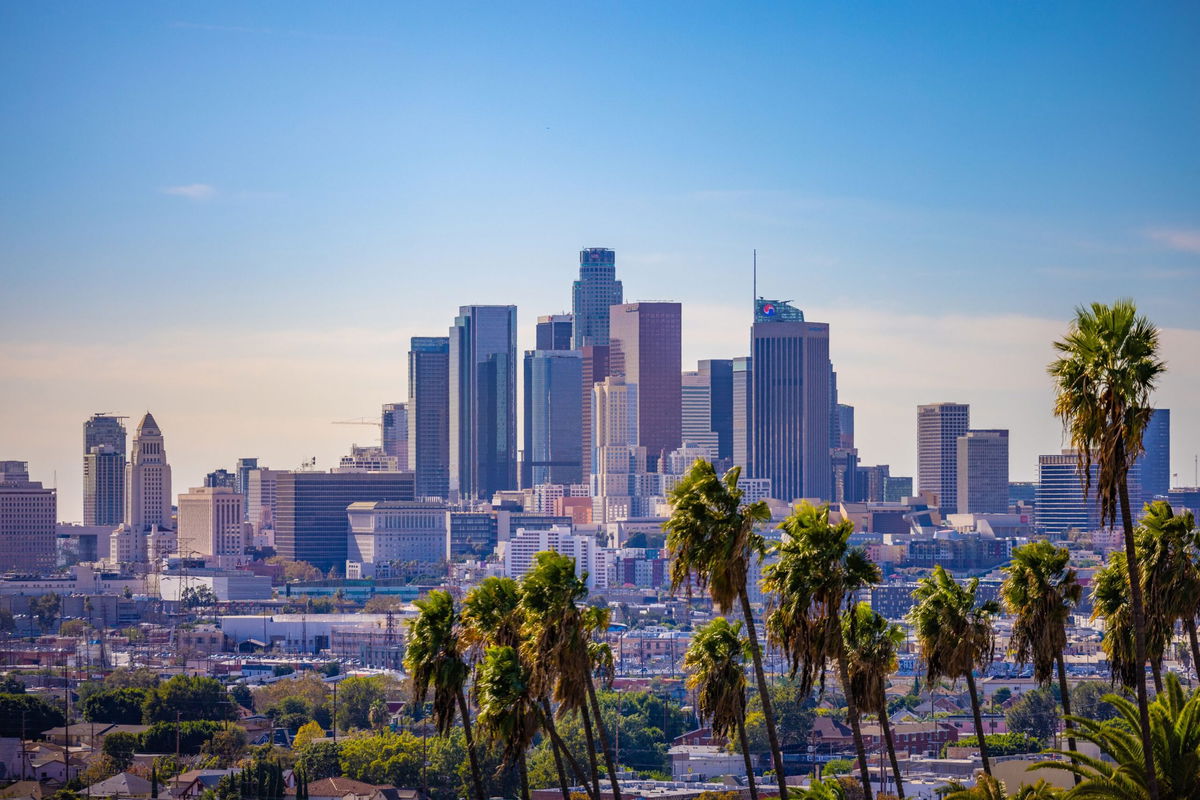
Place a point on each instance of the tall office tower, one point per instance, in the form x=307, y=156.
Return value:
x=618, y=461
x=595, y=370
x=696, y=405
x=938, y=427
x=872, y=482
x=982, y=472
x=28, y=520
x=260, y=499
x=553, y=437
x=645, y=348
x=394, y=433
x=148, y=479
x=221, y=477
x=1155, y=462
x=211, y=522
x=103, y=486
x=718, y=373
x=241, y=474
x=845, y=426
x=846, y=479
x=790, y=401
x=483, y=401
x=103, y=492
x=1061, y=502
x=835, y=429
x=555, y=332
x=743, y=414
x=896, y=488
x=429, y=415
x=596, y=290
x=310, y=510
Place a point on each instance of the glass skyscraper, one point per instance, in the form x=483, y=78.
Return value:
x=596, y=290
x=1155, y=462
x=429, y=415
x=553, y=435
x=104, y=446
x=645, y=349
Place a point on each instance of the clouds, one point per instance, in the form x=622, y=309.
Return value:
x=1183, y=240
x=192, y=191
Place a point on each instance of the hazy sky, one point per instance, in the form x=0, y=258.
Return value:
x=235, y=215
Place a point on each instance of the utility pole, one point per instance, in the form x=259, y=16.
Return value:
x=335, y=712
x=177, y=715
x=66, y=721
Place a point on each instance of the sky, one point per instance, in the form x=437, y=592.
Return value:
x=235, y=215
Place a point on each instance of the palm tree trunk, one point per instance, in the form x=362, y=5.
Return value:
x=765, y=694
x=886, y=724
x=524, y=776
x=1139, y=622
x=1190, y=624
x=476, y=779
x=987, y=765
x=746, y=755
x=558, y=768
x=609, y=761
x=561, y=747
x=1065, y=691
x=852, y=710
x=591, y=742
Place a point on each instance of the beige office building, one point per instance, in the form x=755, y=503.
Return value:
x=211, y=522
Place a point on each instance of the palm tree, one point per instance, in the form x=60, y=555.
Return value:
x=813, y=580
x=715, y=661
x=1111, y=602
x=872, y=643
x=1169, y=544
x=1040, y=589
x=1107, y=369
x=1120, y=773
x=508, y=710
x=711, y=541
x=491, y=615
x=434, y=658
x=955, y=636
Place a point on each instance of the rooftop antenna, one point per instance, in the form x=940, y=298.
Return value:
x=755, y=280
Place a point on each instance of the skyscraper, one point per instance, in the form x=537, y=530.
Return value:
x=28, y=518
x=394, y=433
x=718, y=374
x=103, y=470
x=148, y=479
x=553, y=436
x=982, y=485
x=845, y=426
x=696, y=404
x=596, y=290
x=242, y=474
x=595, y=369
x=645, y=349
x=618, y=462
x=790, y=402
x=938, y=427
x=743, y=416
x=555, y=332
x=1155, y=462
x=1061, y=502
x=429, y=415
x=211, y=522
x=483, y=401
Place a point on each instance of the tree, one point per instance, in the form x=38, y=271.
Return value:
x=45, y=609
x=1000, y=744
x=201, y=596
x=126, y=678
x=1035, y=713
x=715, y=661
x=296, y=570
x=228, y=745
x=711, y=541
x=1041, y=589
x=116, y=706
x=1087, y=700
x=955, y=636
x=1167, y=545
x=120, y=747
x=1111, y=602
x=161, y=737
x=320, y=760
x=291, y=713
x=306, y=734
x=187, y=697
x=27, y=714
x=435, y=659
x=74, y=627
x=872, y=644
x=1107, y=369
x=356, y=695
x=10, y=684
x=382, y=604
x=813, y=580
x=8, y=622
x=242, y=695
x=508, y=710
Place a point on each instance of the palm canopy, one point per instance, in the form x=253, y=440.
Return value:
x=710, y=534
x=555, y=639
x=815, y=575
x=1168, y=544
x=953, y=632
x=1108, y=367
x=715, y=661
x=508, y=710
x=492, y=614
x=1040, y=589
x=872, y=644
x=1110, y=602
x=433, y=657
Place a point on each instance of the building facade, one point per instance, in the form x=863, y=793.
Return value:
x=148, y=480
x=553, y=436
x=393, y=433
x=645, y=349
x=555, y=332
x=429, y=415
x=519, y=551
x=28, y=520
x=104, y=448
x=696, y=413
x=1062, y=504
x=212, y=523
x=1155, y=461
x=596, y=290
x=383, y=533
x=938, y=427
x=982, y=472
x=618, y=462
x=743, y=416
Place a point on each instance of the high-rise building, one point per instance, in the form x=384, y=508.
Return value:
x=845, y=426
x=385, y=533
x=846, y=479
x=369, y=458
x=938, y=427
x=242, y=474
x=718, y=373
x=595, y=370
x=104, y=471
x=519, y=552
x=553, y=443
x=982, y=472
x=429, y=415
x=310, y=510
x=1155, y=461
x=696, y=404
x=1061, y=502
x=28, y=519
x=211, y=522
x=790, y=401
x=394, y=433
x=896, y=488
x=148, y=480
x=221, y=477
x=483, y=401
x=743, y=413
x=260, y=499
x=618, y=462
x=555, y=332
x=596, y=290
x=645, y=348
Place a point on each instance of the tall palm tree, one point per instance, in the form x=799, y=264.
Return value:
x=434, y=657
x=813, y=581
x=1108, y=367
x=955, y=636
x=596, y=621
x=1171, y=572
x=508, y=710
x=1040, y=589
x=1111, y=602
x=492, y=615
x=715, y=661
x=711, y=541
x=873, y=643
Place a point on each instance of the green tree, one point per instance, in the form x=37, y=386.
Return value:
x=1111, y=603
x=711, y=540
x=291, y=713
x=227, y=745
x=1167, y=545
x=25, y=713
x=872, y=644
x=187, y=697
x=1107, y=369
x=1000, y=744
x=508, y=710
x=120, y=747
x=242, y=695
x=194, y=597
x=715, y=661
x=814, y=579
x=356, y=695
x=160, y=737
x=45, y=609
x=389, y=757
x=74, y=627
x=954, y=633
x=136, y=678
x=116, y=706
x=10, y=684
x=1087, y=699
x=1035, y=713
x=320, y=760
x=307, y=732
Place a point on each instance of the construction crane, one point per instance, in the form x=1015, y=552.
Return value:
x=362, y=421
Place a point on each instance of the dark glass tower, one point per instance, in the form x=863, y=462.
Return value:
x=429, y=415
x=1155, y=462
x=596, y=290
x=555, y=332
x=553, y=435
x=104, y=447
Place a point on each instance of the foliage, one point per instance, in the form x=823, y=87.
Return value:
x=307, y=686
x=838, y=766
x=74, y=627
x=198, y=597
x=120, y=747
x=356, y=695
x=319, y=759
x=1000, y=744
x=126, y=678
x=1087, y=700
x=280, y=670
x=388, y=757
x=508, y=710
x=25, y=713
x=716, y=663
x=954, y=632
x=382, y=603
x=262, y=779
x=296, y=570
x=242, y=695
x=1040, y=589
x=434, y=657
x=291, y=713
x=306, y=734
x=160, y=736
x=8, y=622
x=647, y=724
x=227, y=745
x=101, y=768
x=1001, y=696
x=10, y=684
x=1035, y=713
x=187, y=697
x=118, y=706
x=45, y=609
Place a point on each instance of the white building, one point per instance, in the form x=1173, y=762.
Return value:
x=620, y=484
x=702, y=762
x=211, y=524
x=226, y=585
x=130, y=546
x=148, y=479
x=404, y=531
x=368, y=459
x=518, y=552
x=696, y=396
x=80, y=579
x=260, y=499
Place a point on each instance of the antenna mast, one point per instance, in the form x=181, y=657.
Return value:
x=755, y=305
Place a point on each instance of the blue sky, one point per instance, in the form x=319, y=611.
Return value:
x=298, y=187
